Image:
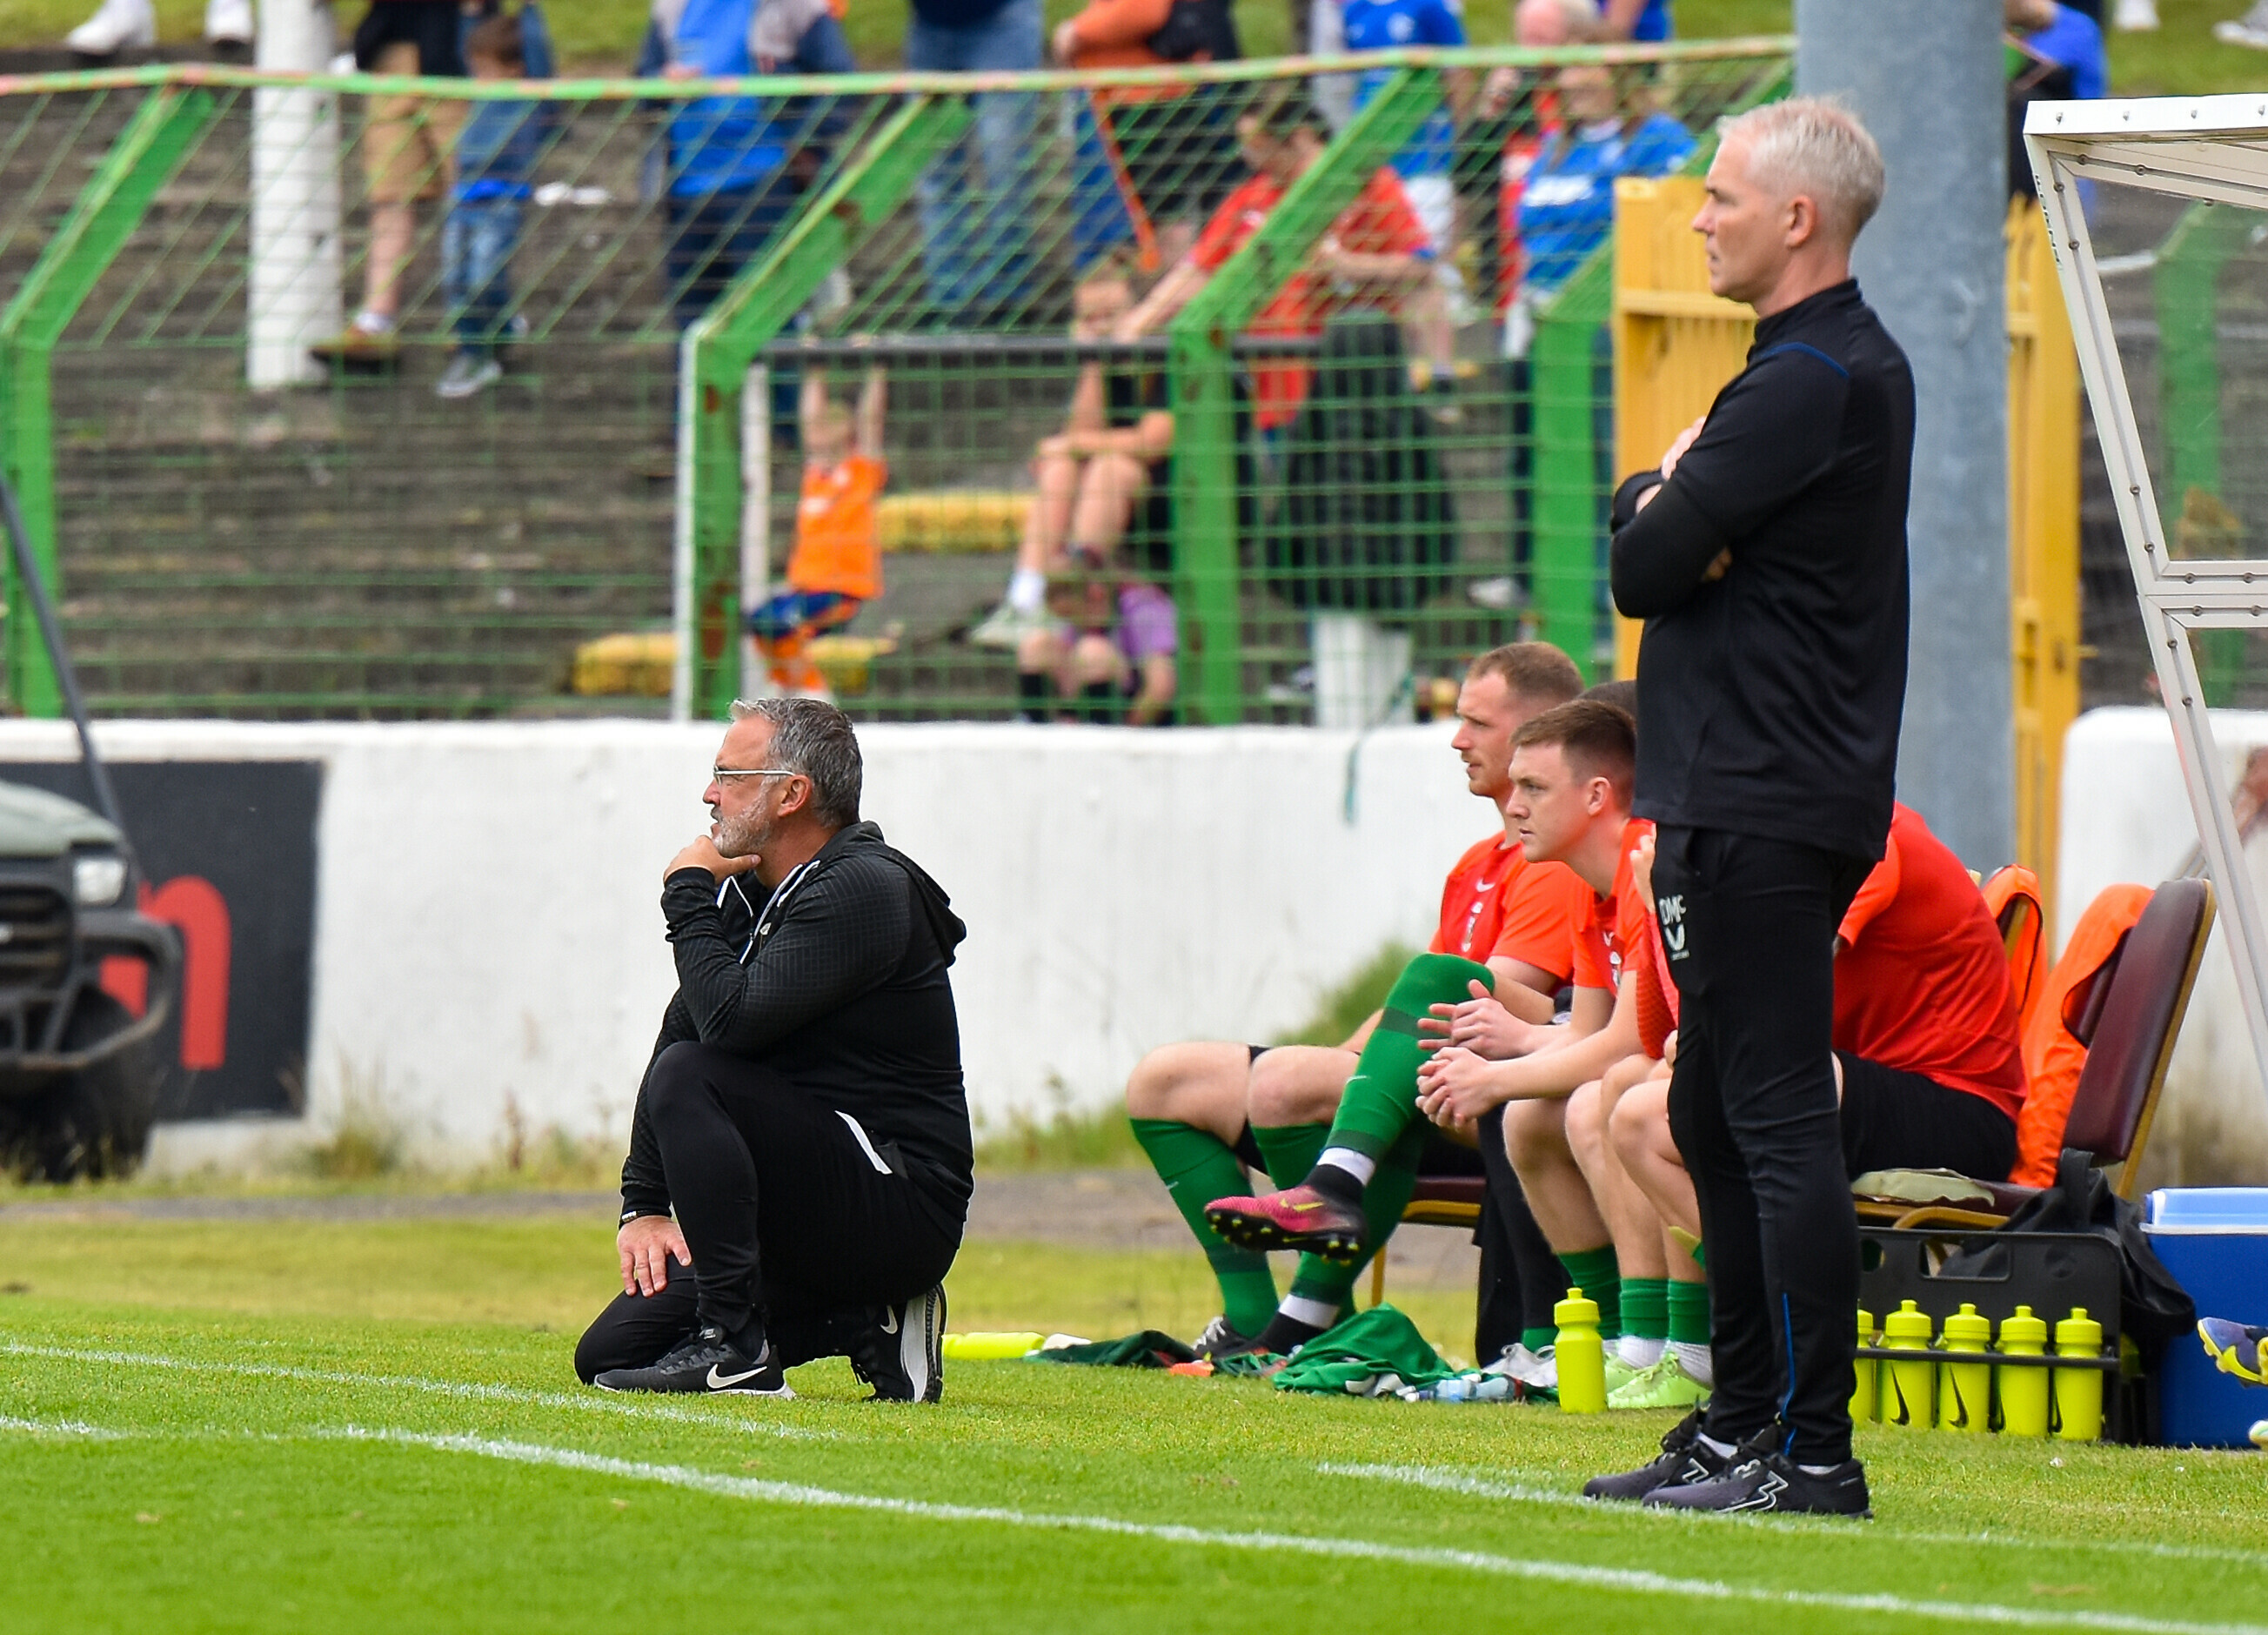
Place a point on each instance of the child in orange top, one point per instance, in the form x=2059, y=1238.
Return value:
x=836, y=564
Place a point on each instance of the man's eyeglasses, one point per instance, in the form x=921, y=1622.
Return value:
x=754, y=771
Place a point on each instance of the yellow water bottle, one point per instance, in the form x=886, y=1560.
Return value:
x=1867, y=1395
x=2023, y=1390
x=1906, y=1384
x=1580, y=1354
x=1964, y=1399
x=2078, y=1391
x=987, y=1346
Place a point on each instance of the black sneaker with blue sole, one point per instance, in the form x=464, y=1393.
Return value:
x=1684, y=1459
x=1770, y=1483
x=903, y=1355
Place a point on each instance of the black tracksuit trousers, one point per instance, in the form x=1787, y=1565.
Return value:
x=793, y=1215
x=1748, y=928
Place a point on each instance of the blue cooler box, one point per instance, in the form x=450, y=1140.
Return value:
x=2214, y=1240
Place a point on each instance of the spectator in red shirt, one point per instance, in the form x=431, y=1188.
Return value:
x=1377, y=253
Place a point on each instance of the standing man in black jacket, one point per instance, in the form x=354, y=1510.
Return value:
x=1768, y=558
x=801, y=1139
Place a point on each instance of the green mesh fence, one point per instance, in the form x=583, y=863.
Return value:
x=1219, y=388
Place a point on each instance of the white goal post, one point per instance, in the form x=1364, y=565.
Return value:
x=2211, y=148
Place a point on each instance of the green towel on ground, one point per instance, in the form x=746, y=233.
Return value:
x=1372, y=1353
x=1146, y=1349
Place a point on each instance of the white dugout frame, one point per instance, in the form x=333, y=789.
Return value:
x=2207, y=147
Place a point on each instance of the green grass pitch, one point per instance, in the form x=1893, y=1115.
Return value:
x=294, y=1425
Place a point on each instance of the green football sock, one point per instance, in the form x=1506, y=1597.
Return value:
x=1539, y=1339
x=1381, y=1099
x=1198, y=1168
x=1595, y=1273
x=1290, y=1150
x=1383, y=1200
x=1688, y=1313
x=1646, y=1307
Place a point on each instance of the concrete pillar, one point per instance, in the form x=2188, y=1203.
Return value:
x=294, y=285
x=1925, y=76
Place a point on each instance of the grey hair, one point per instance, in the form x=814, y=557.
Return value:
x=812, y=737
x=1815, y=147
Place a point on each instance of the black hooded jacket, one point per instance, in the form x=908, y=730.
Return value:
x=838, y=983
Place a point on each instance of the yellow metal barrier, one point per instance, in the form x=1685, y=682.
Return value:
x=1676, y=345
x=2043, y=537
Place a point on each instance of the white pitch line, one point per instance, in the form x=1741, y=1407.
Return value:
x=1454, y=1480
x=595, y=1403
x=1628, y=1580
x=59, y=1427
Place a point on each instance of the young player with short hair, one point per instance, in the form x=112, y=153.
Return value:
x=1571, y=765
x=1198, y=1109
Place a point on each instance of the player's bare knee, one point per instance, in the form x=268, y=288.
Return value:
x=1298, y=1085
x=1535, y=1134
x=1586, y=1119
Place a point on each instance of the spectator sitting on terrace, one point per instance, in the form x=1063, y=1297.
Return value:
x=1110, y=457
x=496, y=161
x=1376, y=253
x=1110, y=646
x=1611, y=128
x=836, y=564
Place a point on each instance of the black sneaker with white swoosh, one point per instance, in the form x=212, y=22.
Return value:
x=903, y=1355
x=708, y=1364
x=1774, y=1483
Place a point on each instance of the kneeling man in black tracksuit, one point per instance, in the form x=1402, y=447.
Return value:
x=801, y=1148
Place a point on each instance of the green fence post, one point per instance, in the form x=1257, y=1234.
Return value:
x=1564, y=518
x=160, y=133
x=1207, y=577
x=2185, y=283
x=717, y=352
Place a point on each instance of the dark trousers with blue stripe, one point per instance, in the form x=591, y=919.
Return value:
x=1748, y=927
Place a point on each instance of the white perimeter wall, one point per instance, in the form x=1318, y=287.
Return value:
x=2126, y=817
x=487, y=921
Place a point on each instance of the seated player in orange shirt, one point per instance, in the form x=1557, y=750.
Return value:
x=1377, y=253
x=1200, y=1108
x=836, y=564
x=1926, y=1054
x=1571, y=781
x=1662, y=1358
x=1581, y=752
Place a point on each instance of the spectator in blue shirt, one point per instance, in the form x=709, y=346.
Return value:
x=1425, y=164
x=496, y=153
x=2059, y=57
x=1567, y=206
x=2065, y=36
x=738, y=166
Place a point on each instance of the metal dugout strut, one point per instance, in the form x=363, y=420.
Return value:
x=2215, y=150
